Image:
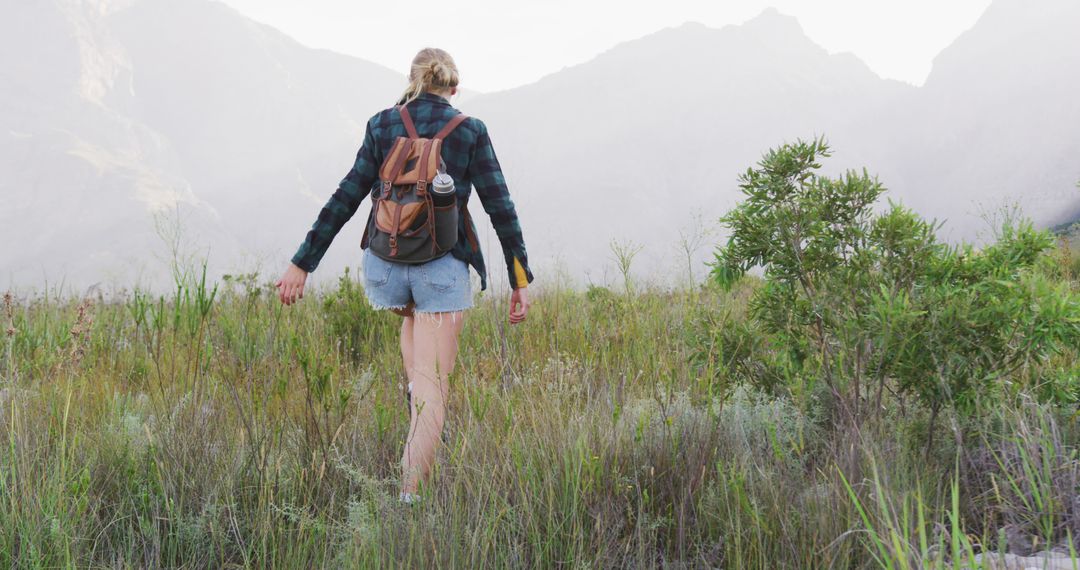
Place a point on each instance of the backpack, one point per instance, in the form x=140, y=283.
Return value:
x=405, y=224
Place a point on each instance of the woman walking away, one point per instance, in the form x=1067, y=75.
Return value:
x=419, y=161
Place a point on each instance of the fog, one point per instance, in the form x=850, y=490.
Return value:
x=141, y=131
x=898, y=40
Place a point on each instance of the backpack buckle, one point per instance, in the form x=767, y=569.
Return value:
x=421, y=187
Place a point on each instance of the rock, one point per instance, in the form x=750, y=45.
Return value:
x=1040, y=561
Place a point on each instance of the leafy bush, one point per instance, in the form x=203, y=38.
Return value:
x=871, y=303
x=361, y=330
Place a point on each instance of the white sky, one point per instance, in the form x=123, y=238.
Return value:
x=499, y=44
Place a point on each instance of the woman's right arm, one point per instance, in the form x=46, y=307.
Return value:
x=338, y=209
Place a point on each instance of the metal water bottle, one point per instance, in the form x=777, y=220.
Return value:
x=442, y=190
x=446, y=210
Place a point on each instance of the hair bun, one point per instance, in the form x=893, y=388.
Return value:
x=439, y=74
x=432, y=67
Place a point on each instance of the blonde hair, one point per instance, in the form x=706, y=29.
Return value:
x=432, y=68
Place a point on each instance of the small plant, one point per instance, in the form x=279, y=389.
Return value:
x=248, y=283
x=900, y=533
x=624, y=253
x=356, y=327
x=9, y=334
x=691, y=240
x=80, y=332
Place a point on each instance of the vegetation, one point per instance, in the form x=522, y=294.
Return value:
x=872, y=303
x=780, y=421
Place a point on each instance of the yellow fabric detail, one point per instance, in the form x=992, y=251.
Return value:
x=519, y=275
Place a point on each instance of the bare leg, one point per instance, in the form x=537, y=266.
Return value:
x=407, y=349
x=434, y=349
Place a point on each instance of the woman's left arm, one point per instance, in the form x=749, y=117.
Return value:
x=487, y=177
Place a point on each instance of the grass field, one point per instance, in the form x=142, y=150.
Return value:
x=214, y=428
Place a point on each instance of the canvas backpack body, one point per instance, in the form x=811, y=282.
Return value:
x=406, y=225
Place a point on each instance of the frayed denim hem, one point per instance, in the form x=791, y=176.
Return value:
x=417, y=313
x=379, y=307
x=438, y=316
x=441, y=311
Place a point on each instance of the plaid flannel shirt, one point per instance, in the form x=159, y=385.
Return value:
x=470, y=160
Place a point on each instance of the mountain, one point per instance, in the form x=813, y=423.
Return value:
x=998, y=120
x=77, y=175
x=636, y=142
x=117, y=110
x=114, y=111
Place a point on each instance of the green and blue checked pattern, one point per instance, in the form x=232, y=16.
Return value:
x=470, y=159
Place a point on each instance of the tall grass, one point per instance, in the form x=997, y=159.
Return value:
x=213, y=428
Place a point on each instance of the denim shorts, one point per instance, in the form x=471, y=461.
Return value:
x=438, y=286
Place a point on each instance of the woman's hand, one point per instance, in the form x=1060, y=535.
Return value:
x=291, y=285
x=519, y=305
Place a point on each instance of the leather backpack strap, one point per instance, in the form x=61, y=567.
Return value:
x=425, y=158
x=409, y=126
x=394, y=230
x=453, y=124
x=391, y=170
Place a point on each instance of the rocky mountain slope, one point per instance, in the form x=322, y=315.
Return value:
x=117, y=111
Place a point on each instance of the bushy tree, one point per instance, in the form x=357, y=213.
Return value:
x=872, y=303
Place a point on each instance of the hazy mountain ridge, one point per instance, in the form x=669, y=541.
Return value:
x=997, y=118
x=106, y=129
x=988, y=129
x=134, y=105
x=79, y=173
x=611, y=136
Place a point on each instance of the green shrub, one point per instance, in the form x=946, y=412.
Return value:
x=871, y=303
x=360, y=330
